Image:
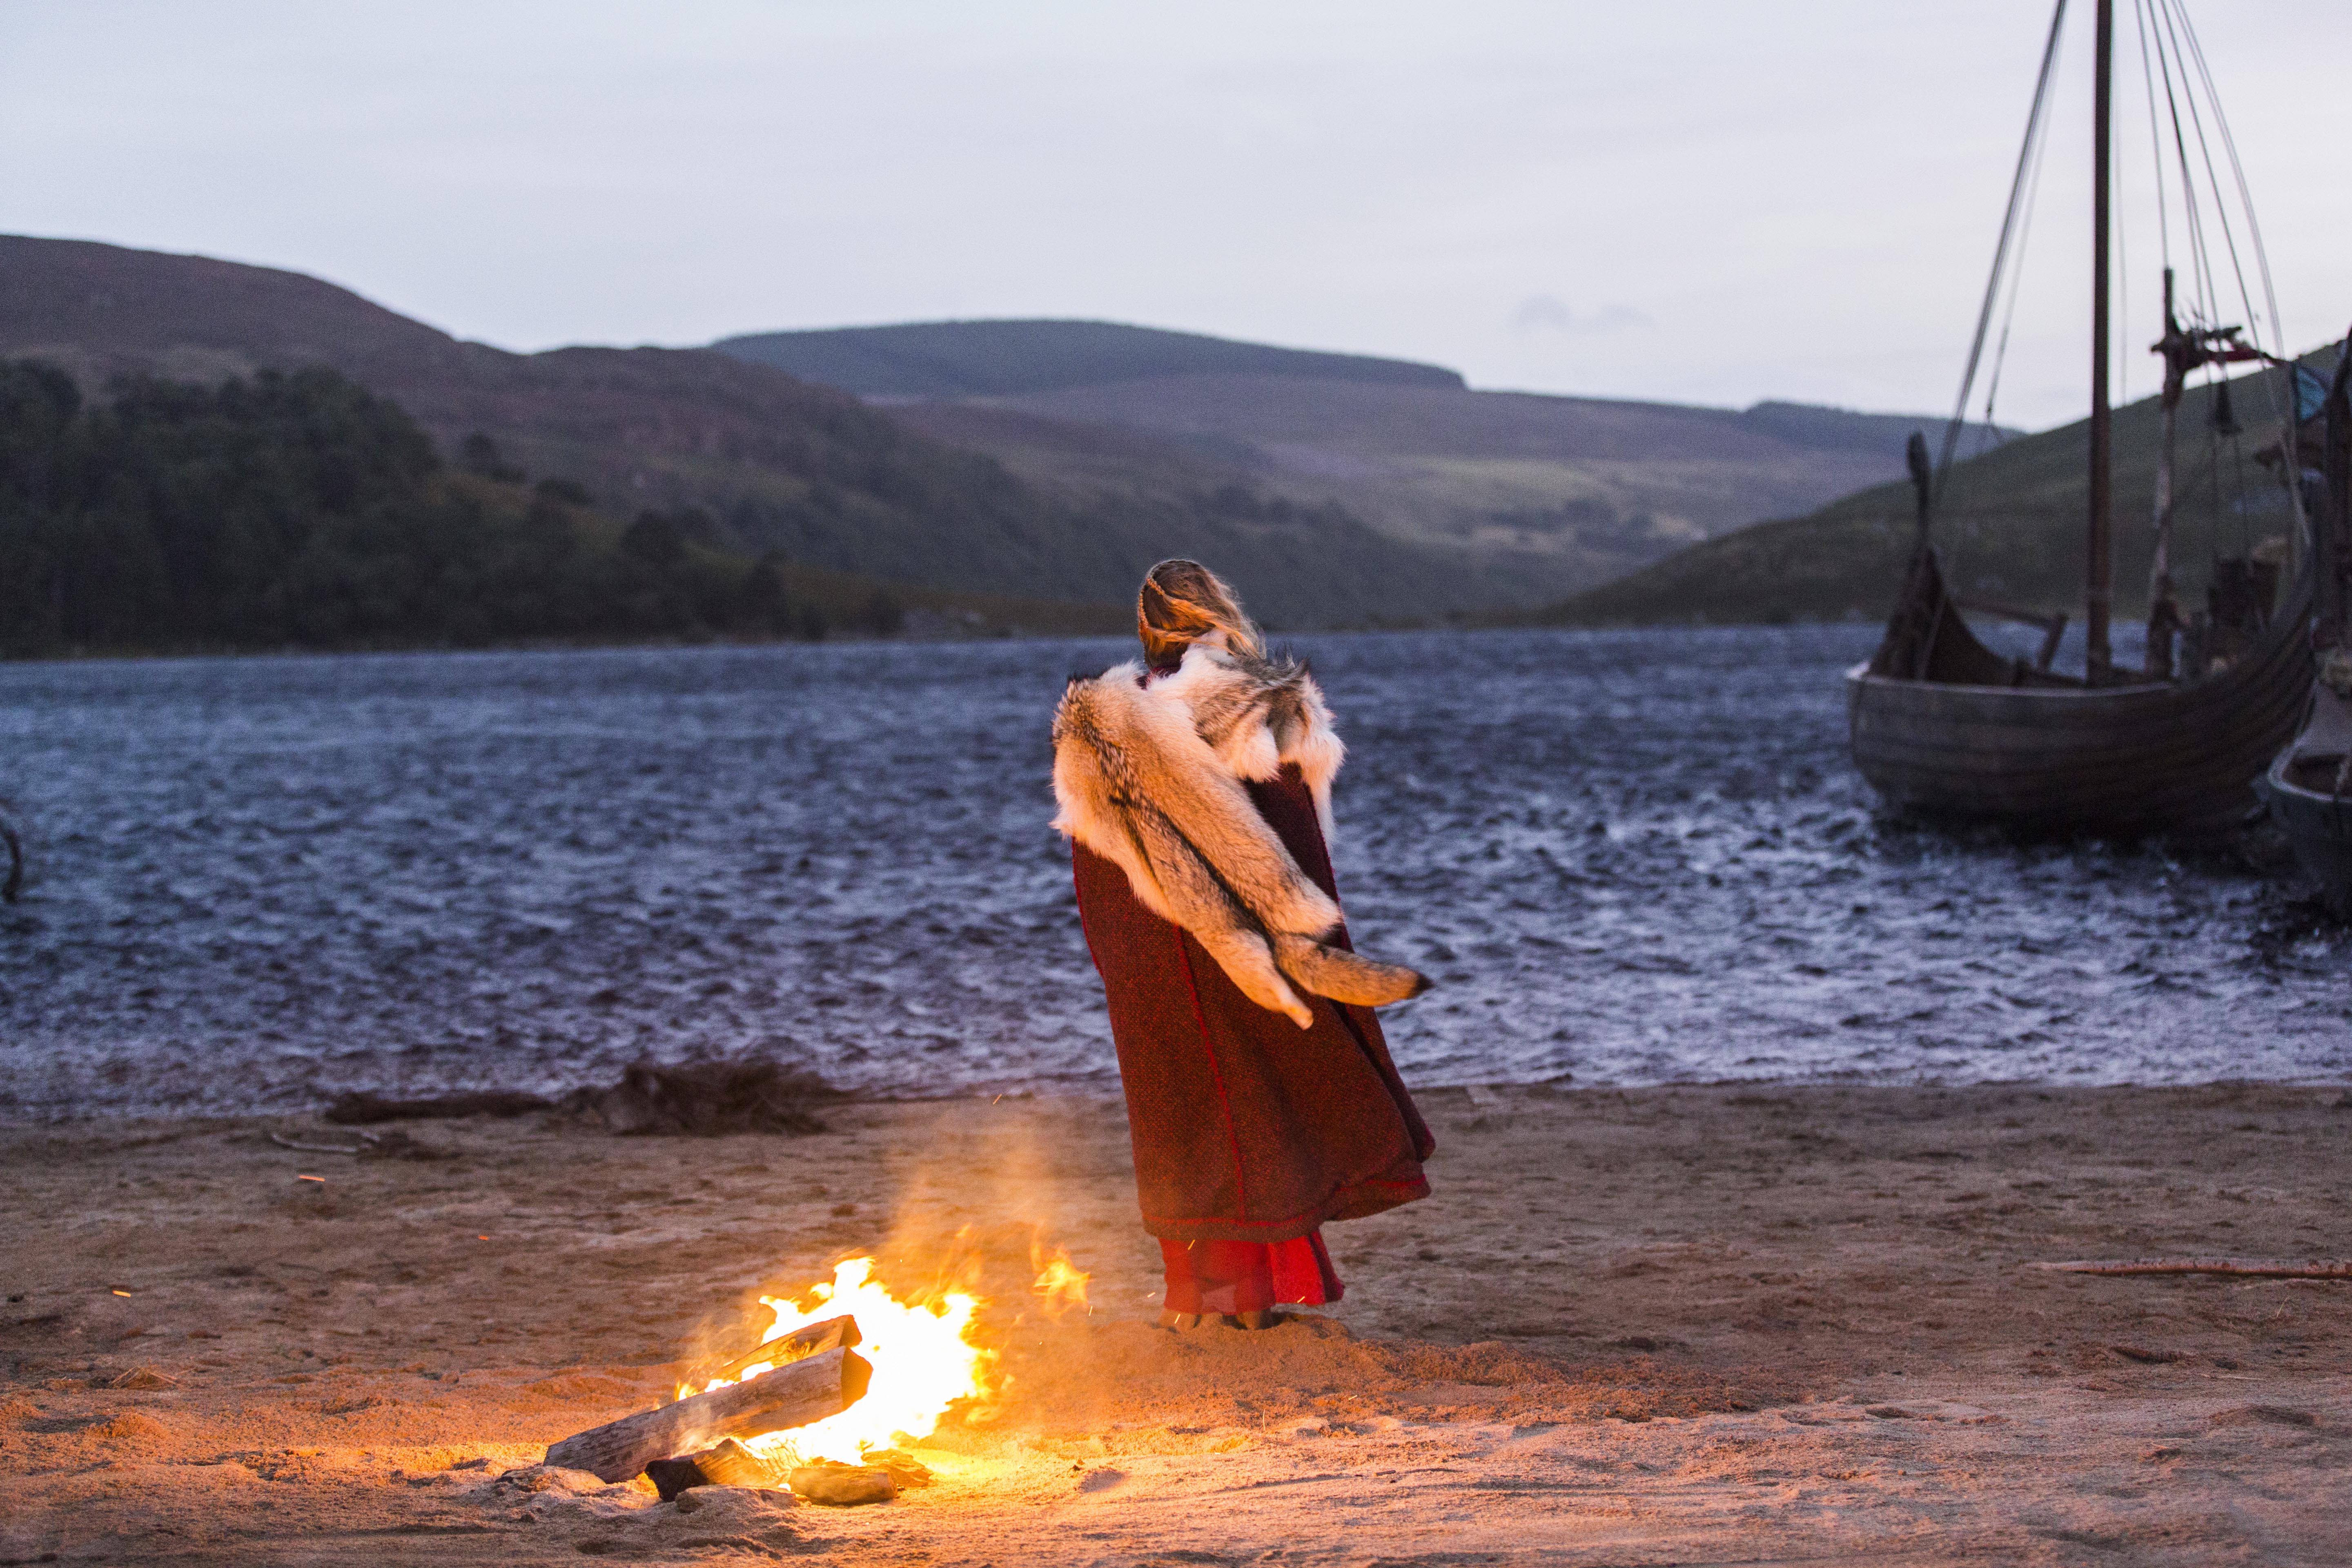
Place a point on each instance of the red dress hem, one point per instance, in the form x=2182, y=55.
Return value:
x=1222, y=1276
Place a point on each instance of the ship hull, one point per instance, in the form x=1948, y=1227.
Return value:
x=2119, y=760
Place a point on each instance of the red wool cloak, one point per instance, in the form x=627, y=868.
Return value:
x=1247, y=1127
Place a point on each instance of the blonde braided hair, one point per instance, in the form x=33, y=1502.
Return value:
x=1182, y=602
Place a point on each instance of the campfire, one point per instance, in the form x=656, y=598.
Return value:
x=841, y=1378
x=921, y=1353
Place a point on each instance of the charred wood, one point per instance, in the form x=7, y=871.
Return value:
x=785, y=1347
x=822, y=1382
x=728, y=1465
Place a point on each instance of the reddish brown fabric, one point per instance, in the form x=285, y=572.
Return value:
x=1247, y=1127
x=1249, y=1276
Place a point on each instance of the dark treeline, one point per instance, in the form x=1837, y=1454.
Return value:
x=302, y=510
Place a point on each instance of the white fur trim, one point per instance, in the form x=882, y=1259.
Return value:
x=1149, y=775
x=1254, y=750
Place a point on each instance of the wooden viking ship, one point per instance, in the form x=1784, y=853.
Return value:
x=2309, y=784
x=1942, y=725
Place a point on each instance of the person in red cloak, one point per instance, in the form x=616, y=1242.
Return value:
x=1250, y=1131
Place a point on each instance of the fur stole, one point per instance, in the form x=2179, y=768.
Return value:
x=1149, y=775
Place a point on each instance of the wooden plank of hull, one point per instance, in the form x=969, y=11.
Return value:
x=2200, y=736
x=2027, y=757
x=2114, y=759
x=2051, y=785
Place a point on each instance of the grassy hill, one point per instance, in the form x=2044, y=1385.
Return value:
x=1526, y=497
x=1333, y=488
x=2010, y=529
x=302, y=510
x=1001, y=358
x=780, y=465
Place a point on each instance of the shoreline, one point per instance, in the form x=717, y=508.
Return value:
x=1109, y=1096
x=1742, y=1320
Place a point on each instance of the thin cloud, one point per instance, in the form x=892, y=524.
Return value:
x=1550, y=313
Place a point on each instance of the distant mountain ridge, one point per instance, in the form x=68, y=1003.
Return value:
x=1844, y=429
x=777, y=463
x=2010, y=529
x=1525, y=496
x=1332, y=489
x=998, y=358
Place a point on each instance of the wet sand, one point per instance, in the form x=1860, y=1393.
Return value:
x=1706, y=1324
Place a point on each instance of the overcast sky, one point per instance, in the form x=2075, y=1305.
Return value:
x=1707, y=202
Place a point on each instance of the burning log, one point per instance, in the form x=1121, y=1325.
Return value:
x=732, y=1369
x=728, y=1465
x=827, y=1378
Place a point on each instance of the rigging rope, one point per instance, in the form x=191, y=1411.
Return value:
x=2122, y=276
x=2212, y=178
x=2034, y=128
x=2186, y=74
x=2155, y=134
x=2191, y=214
x=2171, y=56
x=2261, y=255
x=2016, y=285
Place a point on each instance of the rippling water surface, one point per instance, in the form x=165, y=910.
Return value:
x=1628, y=856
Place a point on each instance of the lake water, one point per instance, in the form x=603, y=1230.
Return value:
x=1626, y=857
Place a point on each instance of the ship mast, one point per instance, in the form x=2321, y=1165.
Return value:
x=2099, y=586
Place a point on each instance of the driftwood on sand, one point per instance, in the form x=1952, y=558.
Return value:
x=828, y=1378
x=703, y=1099
x=2251, y=1268
x=392, y=1145
x=284, y=1142
x=362, y=1109
x=708, y=1099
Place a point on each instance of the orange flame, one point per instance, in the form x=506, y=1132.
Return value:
x=922, y=1354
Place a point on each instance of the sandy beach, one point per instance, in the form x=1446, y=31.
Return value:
x=1713, y=1324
